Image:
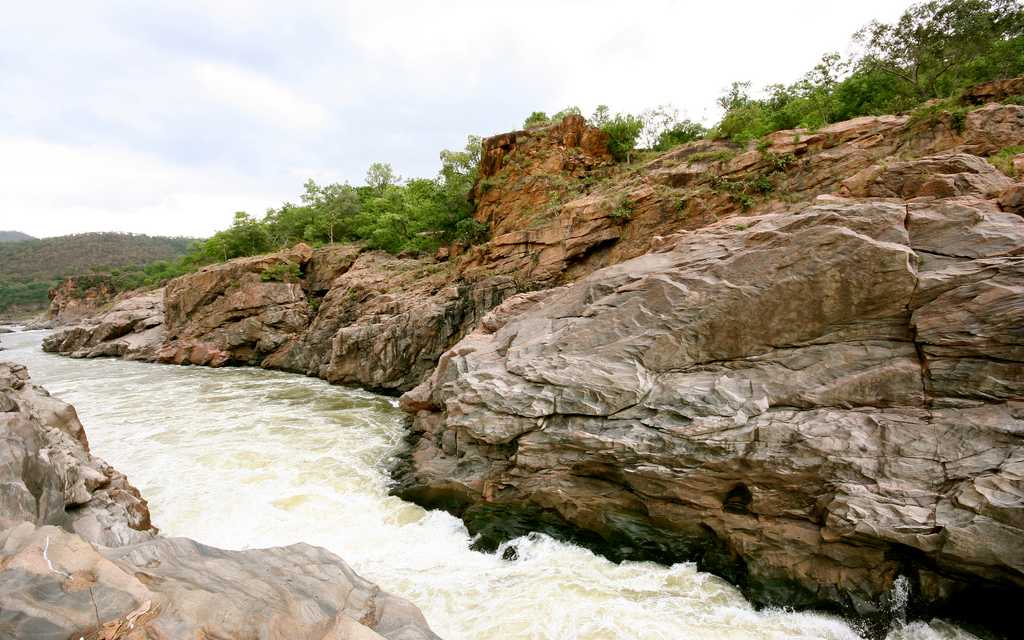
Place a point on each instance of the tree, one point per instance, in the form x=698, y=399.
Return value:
x=380, y=176
x=601, y=116
x=680, y=133
x=333, y=207
x=623, y=131
x=536, y=119
x=933, y=39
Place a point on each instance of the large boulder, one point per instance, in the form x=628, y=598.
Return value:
x=385, y=320
x=132, y=329
x=55, y=585
x=49, y=477
x=236, y=312
x=823, y=406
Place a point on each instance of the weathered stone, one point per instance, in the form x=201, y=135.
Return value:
x=810, y=404
x=48, y=476
x=131, y=329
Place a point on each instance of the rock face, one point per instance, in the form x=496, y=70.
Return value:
x=385, y=321
x=79, y=557
x=78, y=298
x=48, y=476
x=132, y=329
x=552, y=228
x=340, y=313
x=812, y=404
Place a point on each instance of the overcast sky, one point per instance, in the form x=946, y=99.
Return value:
x=128, y=116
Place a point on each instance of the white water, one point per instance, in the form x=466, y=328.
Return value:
x=242, y=458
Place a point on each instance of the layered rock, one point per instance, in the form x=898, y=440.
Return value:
x=385, y=321
x=78, y=298
x=812, y=404
x=49, y=477
x=341, y=313
x=79, y=557
x=557, y=208
x=594, y=216
x=132, y=329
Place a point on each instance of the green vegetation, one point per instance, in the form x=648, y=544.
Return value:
x=935, y=50
x=1003, y=160
x=283, y=272
x=29, y=268
x=415, y=215
x=622, y=212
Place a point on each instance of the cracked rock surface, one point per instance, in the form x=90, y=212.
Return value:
x=810, y=404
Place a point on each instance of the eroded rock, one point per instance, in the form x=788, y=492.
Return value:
x=810, y=404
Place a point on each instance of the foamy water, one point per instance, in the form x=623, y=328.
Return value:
x=244, y=458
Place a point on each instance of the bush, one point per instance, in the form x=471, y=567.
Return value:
x=281, y=272
x=623, y=131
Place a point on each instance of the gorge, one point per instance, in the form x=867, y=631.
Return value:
x=798, y=364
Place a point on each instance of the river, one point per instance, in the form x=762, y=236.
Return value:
x=244, y=458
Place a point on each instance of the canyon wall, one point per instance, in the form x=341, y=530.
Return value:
x=798, y=363
x=812, y=404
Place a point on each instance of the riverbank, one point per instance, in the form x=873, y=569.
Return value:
x=281, y=459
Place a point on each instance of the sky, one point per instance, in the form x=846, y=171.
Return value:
x=165, y=119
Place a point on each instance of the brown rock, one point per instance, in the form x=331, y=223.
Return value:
x=1012, y=199
x=994, y=91
x=810, y=404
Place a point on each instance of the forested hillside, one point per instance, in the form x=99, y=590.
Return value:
x=30, y=267
x=14, y=236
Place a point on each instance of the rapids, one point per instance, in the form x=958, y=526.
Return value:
x=242, y=458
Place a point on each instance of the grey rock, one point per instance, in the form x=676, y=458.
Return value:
x=810, y=404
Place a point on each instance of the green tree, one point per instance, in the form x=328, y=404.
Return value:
x=623, y=130
x=536, y=119
x=933, y=40
x=380, y=176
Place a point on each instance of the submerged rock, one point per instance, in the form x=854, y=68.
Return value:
x=78, y=555
x=811, y=404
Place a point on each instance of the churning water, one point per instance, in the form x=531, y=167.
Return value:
x=242, y=458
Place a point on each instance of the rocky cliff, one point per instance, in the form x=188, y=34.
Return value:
x=79, y=557
x=797, y=362
x=815, y=404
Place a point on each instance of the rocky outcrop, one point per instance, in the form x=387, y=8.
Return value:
x=557, y=209
x=820, y=405
x=340, y=313
x=549, y=229
x=385, y=321
x=132, y=329
x=49, y=477
x=236, y=312
x=79, y=557
x=81, y=297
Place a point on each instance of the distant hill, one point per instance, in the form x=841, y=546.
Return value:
x=29, y=267
x=14, y=236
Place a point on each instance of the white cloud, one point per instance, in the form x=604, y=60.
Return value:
x=53, y=189
x=171, y=117
x=260, y=96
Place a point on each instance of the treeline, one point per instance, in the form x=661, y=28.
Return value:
x=29, y=268
x=387, y=212
x=934, y=50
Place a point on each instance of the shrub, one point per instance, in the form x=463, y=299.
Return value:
x=623, y=131
x=281, y=272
